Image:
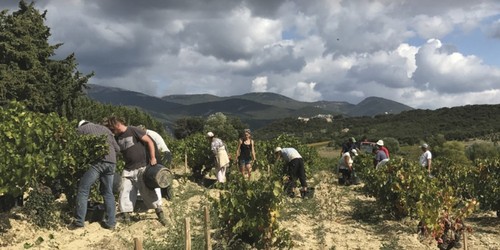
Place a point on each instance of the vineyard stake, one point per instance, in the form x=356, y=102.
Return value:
x=185, y=165
x=137, y=244
x=464, y=234
x=208, y=245
x=188, y=235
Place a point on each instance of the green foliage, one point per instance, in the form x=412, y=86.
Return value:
x=222, y=126
x=187, y=126
x=405, y=188
x=408, y=127
x=28, y=71
x=392, y=144
x=248, y=210
x=453, y=151
x=482, y=150
x=487, y=184
x=42, y=148
x=40, y=207
x=197, y=150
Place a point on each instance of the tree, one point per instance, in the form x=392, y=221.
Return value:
x=28, y=72
x=221, y=126
x=184, y=127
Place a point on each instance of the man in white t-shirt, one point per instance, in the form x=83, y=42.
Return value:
x=426, y=157
x=165, y=154
x=295, y=169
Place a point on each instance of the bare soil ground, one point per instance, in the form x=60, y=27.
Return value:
x=336, y=217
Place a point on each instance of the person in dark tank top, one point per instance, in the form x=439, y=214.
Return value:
x=245, y=153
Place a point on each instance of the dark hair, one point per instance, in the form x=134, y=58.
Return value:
x=113, y=121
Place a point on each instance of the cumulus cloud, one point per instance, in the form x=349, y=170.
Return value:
x=494, y=29
x=302, y=91
x=259, y=84
x=452, y=72
x=335, y=50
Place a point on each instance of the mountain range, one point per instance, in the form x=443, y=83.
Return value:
x=256, y=109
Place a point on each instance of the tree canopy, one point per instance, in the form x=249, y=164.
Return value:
x=28, y=71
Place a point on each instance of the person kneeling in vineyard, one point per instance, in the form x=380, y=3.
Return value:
x=138, y=150
x=294, y=169
x=104, y=170
x=346, y=169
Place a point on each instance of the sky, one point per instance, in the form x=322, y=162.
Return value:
x=426, y=54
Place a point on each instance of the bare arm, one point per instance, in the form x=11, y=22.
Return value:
x=151, y=148
x=429, y=161
x=238, y=148
x=346, y=161
x=253, y=150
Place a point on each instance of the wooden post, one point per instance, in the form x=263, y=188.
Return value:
x=137, y=244
x=188, y=235
x=464, y=234
x=208, y=243
x=185, y=163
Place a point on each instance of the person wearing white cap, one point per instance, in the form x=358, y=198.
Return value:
x=346, y=167
x=426, y=157
x=380, y=145
x=221, y=157
x=295, y=169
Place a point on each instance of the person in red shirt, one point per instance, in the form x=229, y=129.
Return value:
x=380, y=144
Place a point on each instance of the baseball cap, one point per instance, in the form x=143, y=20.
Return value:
x=210, y=134
x=277, y=149
x=424, y=145
x=80, y=123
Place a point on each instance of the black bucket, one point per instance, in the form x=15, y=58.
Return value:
x=157, y=176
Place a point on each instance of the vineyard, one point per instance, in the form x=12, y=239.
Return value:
x=416, y=210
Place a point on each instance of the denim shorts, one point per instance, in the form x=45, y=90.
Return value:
x=244, y=162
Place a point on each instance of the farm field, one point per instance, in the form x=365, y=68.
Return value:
x=336, y=217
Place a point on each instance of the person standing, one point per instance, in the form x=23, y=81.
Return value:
x=426, y=157
x=166, y=155
x=295, y=169
x=349, y=145
x=221, y=157
x=102, y=169
x=138, y=150
x=346, y=167
x=245, y=153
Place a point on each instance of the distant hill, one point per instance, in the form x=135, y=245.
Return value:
x=376, y=105
x=256, y=109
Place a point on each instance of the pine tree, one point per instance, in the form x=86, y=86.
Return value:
x=27, y=70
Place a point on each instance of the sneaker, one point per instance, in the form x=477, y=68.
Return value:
x=74, y=226
x=106, y=226
x=161, y=218
x=303, y=194
x=124, y=218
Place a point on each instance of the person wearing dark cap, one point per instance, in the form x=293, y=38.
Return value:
x=294, y=168
x=426, y=157
x=349, y=145
x=103, y=170
x=345, y=167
